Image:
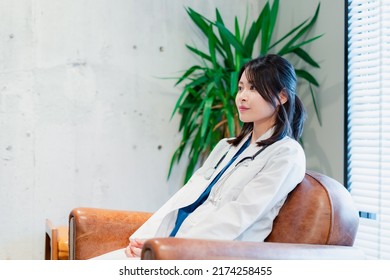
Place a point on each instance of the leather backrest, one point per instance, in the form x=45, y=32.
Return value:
x=318, y=211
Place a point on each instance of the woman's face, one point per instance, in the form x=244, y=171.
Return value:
x=252, y=107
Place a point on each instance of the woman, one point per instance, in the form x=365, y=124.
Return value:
x=238, y=191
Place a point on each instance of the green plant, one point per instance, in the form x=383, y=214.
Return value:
x=206, y=104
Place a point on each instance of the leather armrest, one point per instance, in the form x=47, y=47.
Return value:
x=188, y=249
x=94, y=231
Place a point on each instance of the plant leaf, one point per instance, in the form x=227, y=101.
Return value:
x=302, y=31
x=264, y=34
x=307, y=76
x=178, y=102
x=292, y=31
x=199, y=20
x=207, y=104
x=315, y=105
x=231, y=122
x=254, y=31
x=306, y=57
x=173, y=161
x=212, y=46
x=196, y=150
x=273, y=16
x=200, y=53
x=206, y=115
x=203, y=24
x=232, y=39
x=188, y=89
x=191, y=70
x=237, y=29
x=292, y=48
x=225, y=43
x=233, y=83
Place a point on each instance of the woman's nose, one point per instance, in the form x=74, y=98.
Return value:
x=242, y=95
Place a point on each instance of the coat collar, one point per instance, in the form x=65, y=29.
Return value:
x=265, y=136
x=251, y=149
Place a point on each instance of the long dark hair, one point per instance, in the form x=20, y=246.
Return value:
x=270, y=75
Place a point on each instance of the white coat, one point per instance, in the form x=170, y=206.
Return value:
x=243, y=203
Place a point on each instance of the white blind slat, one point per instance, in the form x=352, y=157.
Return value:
x=368, y=124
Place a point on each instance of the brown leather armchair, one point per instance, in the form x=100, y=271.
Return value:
x=317, y=221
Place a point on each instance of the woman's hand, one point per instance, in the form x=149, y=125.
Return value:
x=135, y=247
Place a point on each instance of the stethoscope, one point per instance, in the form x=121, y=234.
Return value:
x=210, y=172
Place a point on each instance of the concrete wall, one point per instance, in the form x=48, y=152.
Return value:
x=85, y=115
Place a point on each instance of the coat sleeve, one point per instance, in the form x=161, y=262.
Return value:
x=282, y=172
x=150, y=228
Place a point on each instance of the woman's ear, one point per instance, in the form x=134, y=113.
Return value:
x=283, y=96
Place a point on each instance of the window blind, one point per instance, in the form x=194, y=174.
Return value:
x=368, y=122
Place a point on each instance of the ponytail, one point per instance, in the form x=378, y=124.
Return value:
x=298, y=119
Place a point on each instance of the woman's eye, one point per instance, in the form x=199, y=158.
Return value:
x=239, y=88
x=252, y=88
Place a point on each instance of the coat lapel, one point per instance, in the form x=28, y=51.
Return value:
x=248, y=152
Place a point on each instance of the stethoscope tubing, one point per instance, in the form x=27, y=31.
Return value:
x=252, y=158
x=208, y=176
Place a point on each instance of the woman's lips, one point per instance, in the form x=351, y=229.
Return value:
x=242, y=108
